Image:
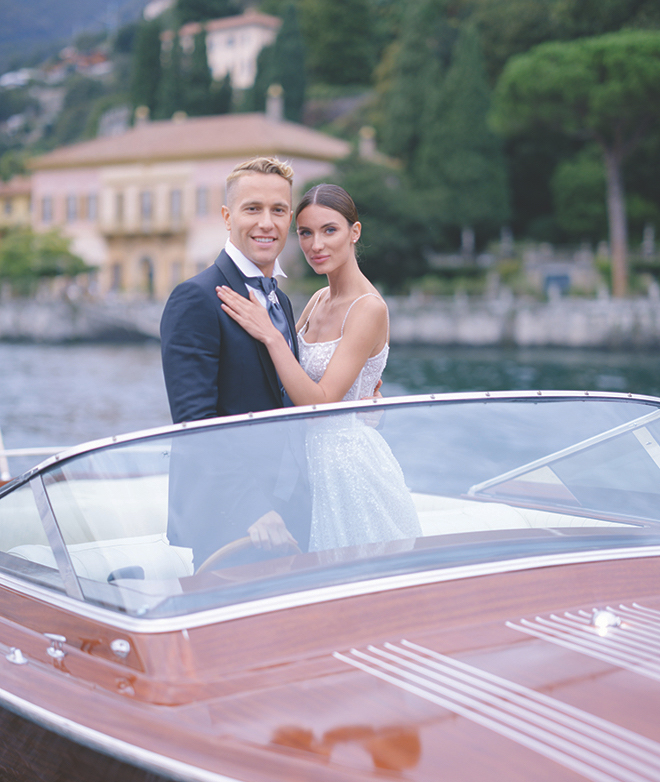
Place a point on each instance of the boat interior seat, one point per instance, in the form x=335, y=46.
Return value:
x=99, y=559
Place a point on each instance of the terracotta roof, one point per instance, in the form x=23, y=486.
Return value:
x=17, y=185
x=248, y=19
x=228, y=135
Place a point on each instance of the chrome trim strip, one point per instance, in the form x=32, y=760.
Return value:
x=576, y=448
x=591, y=746
x=121, y=750
x=289, y=412
x=60, y=551
x=320, y=595
x=631, y=645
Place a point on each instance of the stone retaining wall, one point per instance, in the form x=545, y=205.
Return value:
x=602, y=323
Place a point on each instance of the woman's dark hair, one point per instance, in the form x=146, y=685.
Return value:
x=333, y=197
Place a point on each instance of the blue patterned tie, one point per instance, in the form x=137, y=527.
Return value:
x=268, y=285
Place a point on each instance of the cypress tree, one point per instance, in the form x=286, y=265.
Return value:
x=458, y=151
x=146, y=68
x=197, y=80
x=417, y=72
x=282, y=63
x=338, y=39
x=203, y=10
x=170, y=90
x=289, y=64
x=221, y=96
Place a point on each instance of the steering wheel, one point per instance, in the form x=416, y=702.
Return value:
x=232, y=548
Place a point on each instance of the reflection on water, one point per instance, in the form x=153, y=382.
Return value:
x=63, y=395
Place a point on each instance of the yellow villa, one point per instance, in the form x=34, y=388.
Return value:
x=145, y=207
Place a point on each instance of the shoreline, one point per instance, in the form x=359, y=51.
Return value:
x=462, y=322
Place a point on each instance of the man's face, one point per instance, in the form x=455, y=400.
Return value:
x=258, y=216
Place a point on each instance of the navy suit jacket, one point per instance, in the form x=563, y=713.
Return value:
x=222, y=481
x=211, y=365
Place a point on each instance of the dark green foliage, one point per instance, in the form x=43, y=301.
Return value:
x=457, y=150
x=398, y=225
x=12, y=163
x=26, y=256
x=170, y=96
x=282, y=63
x=77, y=108
x=338, y=40
x=606, y=89
x=203, y=10
x=197, y=80
x=125, y=38
x=146, y=65
x=578, y=187
x=13, y=102
x=221, y=96
x=416, y=73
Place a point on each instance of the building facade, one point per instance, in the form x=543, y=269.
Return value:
x=232, y=44
x=145, y=207
x=15, y=202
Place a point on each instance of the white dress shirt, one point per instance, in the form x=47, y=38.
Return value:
x=250, y=269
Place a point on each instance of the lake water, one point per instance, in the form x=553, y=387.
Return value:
x=64, y=395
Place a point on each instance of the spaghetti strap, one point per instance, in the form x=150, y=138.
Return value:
x=303, y=330
x=354, y=302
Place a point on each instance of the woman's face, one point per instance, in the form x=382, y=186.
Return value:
x=326, y=238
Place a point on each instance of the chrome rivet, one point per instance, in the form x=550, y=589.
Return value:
x=121, y=647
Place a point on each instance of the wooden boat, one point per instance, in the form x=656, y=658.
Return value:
x=516, y=636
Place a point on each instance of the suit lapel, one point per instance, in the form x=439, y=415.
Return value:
x=288, y=311
x=235, y=280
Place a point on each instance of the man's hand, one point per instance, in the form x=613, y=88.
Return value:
x=270, y=532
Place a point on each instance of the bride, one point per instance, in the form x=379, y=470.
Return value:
x=358, y=490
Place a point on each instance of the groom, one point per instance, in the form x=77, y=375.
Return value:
x=213, y=367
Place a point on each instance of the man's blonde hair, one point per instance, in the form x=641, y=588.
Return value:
x=259, y=165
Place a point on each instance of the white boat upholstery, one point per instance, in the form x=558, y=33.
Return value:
x=97, y=560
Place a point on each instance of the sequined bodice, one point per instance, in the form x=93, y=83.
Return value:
x=315, y=357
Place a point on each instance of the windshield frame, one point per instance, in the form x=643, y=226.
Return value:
x=364, y=585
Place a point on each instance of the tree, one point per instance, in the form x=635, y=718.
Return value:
x=282, y=63
x=337, y=37
x=458, y=151
x=415, y=72
x=26, y=257
x=197, y=80
x=605, y=89
x=170, y=97
x=397, y=231
x=203, y=10
x=146, y=65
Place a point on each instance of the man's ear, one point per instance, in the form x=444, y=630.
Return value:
x=226, y=216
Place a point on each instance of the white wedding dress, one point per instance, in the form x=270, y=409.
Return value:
x=359, y=493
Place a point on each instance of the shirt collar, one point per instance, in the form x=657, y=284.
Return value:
x=249, y=268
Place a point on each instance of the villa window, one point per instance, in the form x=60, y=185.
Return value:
x=119, y=207
x=71, y=208
x=7, y=206
x=47, y=209
x=176, y=206
x=202, y=201
x=146, y=205
x=92, y=206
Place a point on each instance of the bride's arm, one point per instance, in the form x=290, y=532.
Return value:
x=364, y=331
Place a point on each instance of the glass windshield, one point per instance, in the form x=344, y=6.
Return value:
x=211, y=516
